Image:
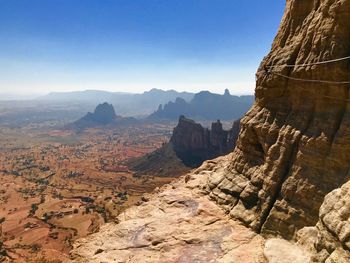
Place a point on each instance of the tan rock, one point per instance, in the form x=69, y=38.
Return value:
x=281, y=251
x=294, y=144
x=178, y=224
x=329, y=240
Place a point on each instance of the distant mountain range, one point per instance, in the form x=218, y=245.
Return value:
x=127, y=104
x=65, y=108
x=205, y=106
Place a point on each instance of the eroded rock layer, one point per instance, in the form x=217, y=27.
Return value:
x=329, y=240
x=294, y=145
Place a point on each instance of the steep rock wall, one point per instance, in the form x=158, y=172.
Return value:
x=294, y=145
x=194, y=144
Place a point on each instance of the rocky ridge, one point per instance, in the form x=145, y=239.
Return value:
x=205, y=106
x=329, y=240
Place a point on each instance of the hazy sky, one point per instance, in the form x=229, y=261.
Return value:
x=134, y=45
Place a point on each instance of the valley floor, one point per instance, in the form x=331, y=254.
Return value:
x=58, y=186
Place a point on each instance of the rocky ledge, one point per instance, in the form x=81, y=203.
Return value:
x=179, y=223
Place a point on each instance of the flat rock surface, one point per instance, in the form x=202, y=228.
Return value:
x=177, y=224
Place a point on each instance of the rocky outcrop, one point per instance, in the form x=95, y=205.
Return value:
x=189, y=146
x=103, y=114
x=233, y=133
x=329, y=240
x=205, y=106
x=294, y=145
x=334, y=226
x=194, y=144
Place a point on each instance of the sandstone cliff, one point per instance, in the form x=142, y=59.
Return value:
x=194, y=144
x=294, y=146
x=189, y=146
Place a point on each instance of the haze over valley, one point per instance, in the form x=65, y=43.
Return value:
x=174, y=131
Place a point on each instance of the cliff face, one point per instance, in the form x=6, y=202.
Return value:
x=189, y=146
x=194, y=144
x=294, y=146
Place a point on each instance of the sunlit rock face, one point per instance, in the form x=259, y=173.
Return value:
x=330, y=239
x=294, y=144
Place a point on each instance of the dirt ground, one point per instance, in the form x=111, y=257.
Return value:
x=57, y=186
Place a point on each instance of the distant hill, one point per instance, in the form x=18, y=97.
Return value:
x=104, y=114
x=126, y=103
x=205, y=106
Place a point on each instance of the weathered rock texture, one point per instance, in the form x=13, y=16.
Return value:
x=294, y=146
x=329, y=240
x=334, y=225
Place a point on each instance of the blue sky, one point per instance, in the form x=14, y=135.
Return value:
x=134, y=45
